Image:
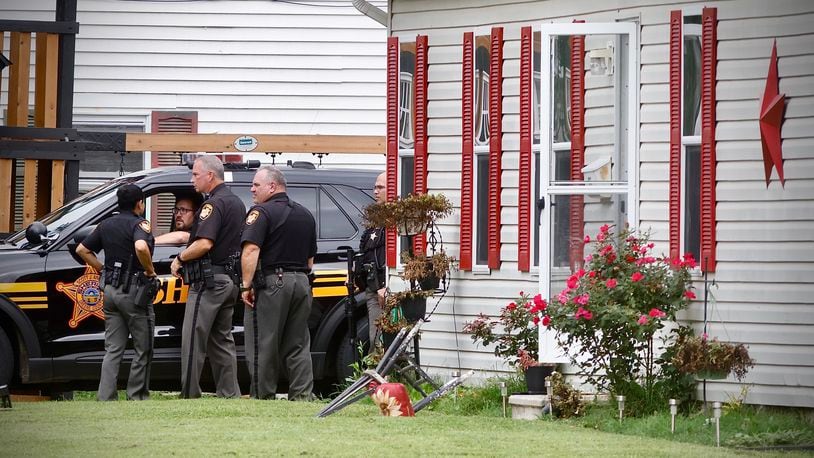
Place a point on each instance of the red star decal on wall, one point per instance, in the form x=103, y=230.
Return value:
x=771, y=120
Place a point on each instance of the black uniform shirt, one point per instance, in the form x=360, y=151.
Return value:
x=219, y=219
x=288, y=246
x=372, y=247
x=117, y=236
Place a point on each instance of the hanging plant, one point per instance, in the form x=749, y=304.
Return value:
x=410, y=215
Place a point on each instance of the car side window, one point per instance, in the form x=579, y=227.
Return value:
x=333, y=222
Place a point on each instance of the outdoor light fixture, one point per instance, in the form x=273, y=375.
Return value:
x=601, y=60
x=673, y=412
x=620, y=401
x=504, y=393
x=456, y=374
x=4, y=62
x=5, y=396
x=716, y=413
x=549, y=391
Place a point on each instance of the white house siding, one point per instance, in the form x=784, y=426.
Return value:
x=260, y=67
x=763, y=293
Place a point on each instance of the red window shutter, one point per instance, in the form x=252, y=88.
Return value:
x=495, y=144
x=392, y=137
x=577, y=213
x=676, y=46
x=709, y=62
x=420, y=93
x=467, y=151
x=178, y=122
x=525, y=190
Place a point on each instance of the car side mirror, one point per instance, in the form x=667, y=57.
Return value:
x=34, y=232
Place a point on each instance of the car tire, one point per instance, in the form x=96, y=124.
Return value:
x=6, y=359
x=345, y=355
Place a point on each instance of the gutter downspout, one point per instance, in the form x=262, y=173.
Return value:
x=371, y=11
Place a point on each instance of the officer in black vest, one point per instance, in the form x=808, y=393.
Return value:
x=370, y=270
x=214, y=244
x=128, y=245
x=282, y=235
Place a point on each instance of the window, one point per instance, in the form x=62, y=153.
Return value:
x=406, y=96
x=561, y=137
x=333, y=223
x=480, y=213
x=691, y=136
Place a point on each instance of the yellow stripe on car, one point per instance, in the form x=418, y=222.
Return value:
x=32, y=306
x=330, y=291
x=23, y=287
x=28, y=299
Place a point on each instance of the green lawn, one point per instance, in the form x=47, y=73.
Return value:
x=212, y=426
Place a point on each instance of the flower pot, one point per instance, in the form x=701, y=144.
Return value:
x=535, y=378
x=430, y=283
x=413, y=308
x=708, y=374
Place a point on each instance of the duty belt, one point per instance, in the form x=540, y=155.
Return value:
x=274, y=270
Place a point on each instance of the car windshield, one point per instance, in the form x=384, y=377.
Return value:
x=59, y=219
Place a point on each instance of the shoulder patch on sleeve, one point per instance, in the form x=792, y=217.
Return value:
x=206, y=210
x=144, y=226
x=252, y=217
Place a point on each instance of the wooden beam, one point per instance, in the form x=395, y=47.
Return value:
x=51, y=174
x=224, y=143
x=6, y=173
x=30, y=192
x=17, y=115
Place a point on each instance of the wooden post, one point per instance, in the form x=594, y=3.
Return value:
x=6, y=173
x=20, y=46
x=18, y=113
x=51, y=176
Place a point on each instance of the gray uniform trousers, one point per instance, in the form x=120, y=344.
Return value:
x=123, y=318
x=277, y=338
x=208, y=332
x=374, y=311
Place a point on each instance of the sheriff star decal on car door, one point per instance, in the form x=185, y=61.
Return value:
x=86, y=296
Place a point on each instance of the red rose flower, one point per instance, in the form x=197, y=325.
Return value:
x=689, y=294
x=611, y=283
x=511, y=306
x=637, y=276
x=546, y=320
x=656, y=313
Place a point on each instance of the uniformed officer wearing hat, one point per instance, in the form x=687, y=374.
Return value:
x=128, y=245
x=282, y=235
x=214, y=241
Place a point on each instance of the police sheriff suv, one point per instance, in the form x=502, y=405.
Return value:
x=51, y=318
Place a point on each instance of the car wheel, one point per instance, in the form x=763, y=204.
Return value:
x=6, y=359
x=346, y=356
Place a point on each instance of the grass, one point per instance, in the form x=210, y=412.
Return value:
x=166, y=425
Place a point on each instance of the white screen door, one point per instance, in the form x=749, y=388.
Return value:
x=588, y=171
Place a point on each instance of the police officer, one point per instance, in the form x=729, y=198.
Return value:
x=128, y=245
x=370, y=278
x=282, y=235
x=214, y=240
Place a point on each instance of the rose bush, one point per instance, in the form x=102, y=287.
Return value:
x=517, y=340
x=608, y=312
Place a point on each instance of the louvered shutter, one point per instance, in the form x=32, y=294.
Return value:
x=420, y=94
x=495, y=144
x=577, y=211
x=392, y=136
x=525, y=190
x=185, y=122
x=676, y=46
x=709, y=62
x=467, y=151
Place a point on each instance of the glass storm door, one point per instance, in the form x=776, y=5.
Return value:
x=588, y=172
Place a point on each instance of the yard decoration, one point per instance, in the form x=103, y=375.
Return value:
x=609, y=311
